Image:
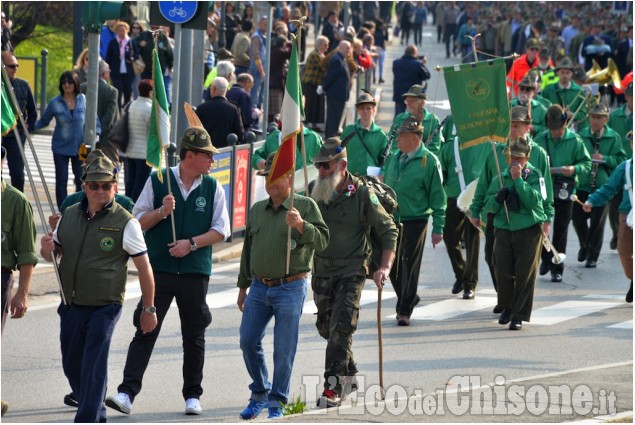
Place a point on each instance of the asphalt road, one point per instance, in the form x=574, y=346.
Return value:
x=580, y=337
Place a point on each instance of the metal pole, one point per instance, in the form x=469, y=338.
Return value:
x=223, y=28
x=90, y=126
x=265, y=106
x=78, y=30
x=176, y=76
x=44, y=54
x=184, y=82
x=198, y=38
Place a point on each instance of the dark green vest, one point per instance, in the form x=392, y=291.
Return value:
x=191, y=218
x=93, y=267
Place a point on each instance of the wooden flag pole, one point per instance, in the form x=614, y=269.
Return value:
x=167, y=177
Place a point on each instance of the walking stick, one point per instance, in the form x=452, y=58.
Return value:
x=381, y=353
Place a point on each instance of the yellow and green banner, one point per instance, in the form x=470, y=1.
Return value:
x=478, y=99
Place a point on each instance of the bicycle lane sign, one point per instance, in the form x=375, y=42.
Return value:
x=178, y=12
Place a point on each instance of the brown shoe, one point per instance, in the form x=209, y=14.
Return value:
x=5, y=407
x=403, y=320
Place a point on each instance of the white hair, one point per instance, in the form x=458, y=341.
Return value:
x=220, y=84
x=225, y=69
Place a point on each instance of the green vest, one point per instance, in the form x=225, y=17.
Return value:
x=93, y=267
x=192, y=217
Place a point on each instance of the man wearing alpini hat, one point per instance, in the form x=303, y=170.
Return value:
x=348, y=208
x=366, y=141
x=565, y=93
x=274, y=293
x=415, y=100
x=605, y=147
x=181, y=268
x=519, y=238
x=415, y=175
x=95, y=238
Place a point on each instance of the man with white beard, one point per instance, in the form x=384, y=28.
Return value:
x=348, y=208
x=526, y=98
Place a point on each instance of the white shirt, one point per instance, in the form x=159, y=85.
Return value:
x=220, y=217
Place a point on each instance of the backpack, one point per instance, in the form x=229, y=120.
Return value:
x=388, y=199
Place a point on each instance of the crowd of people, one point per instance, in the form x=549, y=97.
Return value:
x=567, y=159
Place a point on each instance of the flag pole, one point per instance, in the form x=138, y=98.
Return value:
x=36, y=196
x=167, y=177
x=302, y=144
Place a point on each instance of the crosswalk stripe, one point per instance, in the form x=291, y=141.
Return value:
x=604, y=296
x=454, y=307
x=623, y=325
x=567, y=310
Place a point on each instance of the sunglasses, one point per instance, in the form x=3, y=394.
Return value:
x=209, y=156
x=535, y=49
x=525, y=89
x=96, y=186
x=68, y=82
x=326, y=165
x=13, y=66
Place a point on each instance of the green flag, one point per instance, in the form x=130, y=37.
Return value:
x=159, y=132
x=8, y=112
x=478, y=99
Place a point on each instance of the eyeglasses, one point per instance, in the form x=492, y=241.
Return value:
x=13, y=66
x=210, y=156
x=326, y=165
x=96, y=186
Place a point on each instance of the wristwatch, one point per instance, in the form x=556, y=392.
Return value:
x=150, y=310
x=193, y=246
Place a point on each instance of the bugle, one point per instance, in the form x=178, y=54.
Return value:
x=557, y=257
x=586, y=100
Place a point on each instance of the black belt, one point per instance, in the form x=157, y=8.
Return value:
x=281, y=280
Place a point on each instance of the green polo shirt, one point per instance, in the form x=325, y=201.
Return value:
x=265, y=247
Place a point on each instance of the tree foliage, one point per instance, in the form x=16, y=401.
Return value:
x=26, y=15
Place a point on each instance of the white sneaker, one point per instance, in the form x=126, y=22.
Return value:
x=193, y=407
x=120, y=402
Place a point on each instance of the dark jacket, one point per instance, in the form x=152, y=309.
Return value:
x=242, y=98
x=26, y=103
x=337, y=80
x=113, y=59
x=407, y=71
x=221, y=117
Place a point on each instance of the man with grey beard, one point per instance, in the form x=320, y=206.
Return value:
x=351, y=210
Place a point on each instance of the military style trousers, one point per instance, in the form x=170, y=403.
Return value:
x=489, y=247
x=457, y=228
x=591, y=234
x=337, y=300
x=516, y=255
x=405, y=279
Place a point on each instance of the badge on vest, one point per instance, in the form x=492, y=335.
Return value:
x=109, y=229
x=107, y=244
x=200, y=204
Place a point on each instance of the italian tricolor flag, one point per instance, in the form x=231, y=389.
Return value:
x=159, y=132
x=291, y=117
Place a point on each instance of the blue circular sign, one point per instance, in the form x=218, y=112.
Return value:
x=178, y=12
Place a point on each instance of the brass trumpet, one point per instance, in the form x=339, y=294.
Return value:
x=557, y=257
x=610, y=74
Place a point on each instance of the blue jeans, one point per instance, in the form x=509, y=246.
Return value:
x=258, y=90
x=285, y=303
x=61, y=175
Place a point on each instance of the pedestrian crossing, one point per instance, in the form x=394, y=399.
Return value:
x=433, y=312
